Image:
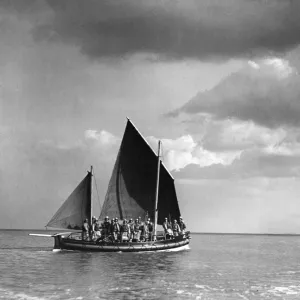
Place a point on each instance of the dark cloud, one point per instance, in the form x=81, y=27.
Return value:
x=251, y=164
x=33, y=9
x=182, y=29
x=269, y=96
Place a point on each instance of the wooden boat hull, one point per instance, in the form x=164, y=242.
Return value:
x=66, y=243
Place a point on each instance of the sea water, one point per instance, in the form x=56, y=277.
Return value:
x=215, y=267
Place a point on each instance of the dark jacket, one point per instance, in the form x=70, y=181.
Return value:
x=136, y=227
x=96, y=227
x=116, y=227
x=150, y=227
x=175, y=227
x=111, y=227
x=106, y=225
x=125, y=228
x=182, y=225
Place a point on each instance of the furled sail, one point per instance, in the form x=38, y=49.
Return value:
x=131, y=190
x=76, y=208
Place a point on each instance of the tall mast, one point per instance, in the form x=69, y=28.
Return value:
x=156, y=192
x=91, y=198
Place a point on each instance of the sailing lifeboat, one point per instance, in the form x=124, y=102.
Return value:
x=140, y=186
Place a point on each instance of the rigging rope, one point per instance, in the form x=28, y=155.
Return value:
x=97, y=190
x=162, y=157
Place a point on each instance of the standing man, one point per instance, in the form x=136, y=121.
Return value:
x=175, y=228
x=167, y=229
x=182, y=226
x=131, y=227
x=116, y=229
x=105, y=227
x=136, y=230
x=150, y=229
x=97, y=232
x=92, y=229
x=85, y=229
x=125, y=231
x=141, y=230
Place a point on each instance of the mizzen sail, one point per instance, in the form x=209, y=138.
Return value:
x=131, y=190
x=76, y=208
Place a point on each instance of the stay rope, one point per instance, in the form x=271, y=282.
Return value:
x=162, y=157
x=97, y=191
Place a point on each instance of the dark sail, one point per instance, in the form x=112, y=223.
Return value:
x=131, y=190
x=75, y=209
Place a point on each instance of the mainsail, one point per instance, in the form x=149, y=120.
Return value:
x=131, y=190
x=76, y=208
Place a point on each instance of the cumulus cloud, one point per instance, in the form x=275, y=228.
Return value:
x=273, y=66
x=99, y=143
x=176, y=153
x=48, y=143
x=186, y=28
x=232, y=134
x=251, y=163
x=239, y=149
x=102, y=138
x=266, y=92
x=179, y=153
x=284, y=149
x=229, y=149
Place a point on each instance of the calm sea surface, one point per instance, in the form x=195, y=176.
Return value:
x=215, y=267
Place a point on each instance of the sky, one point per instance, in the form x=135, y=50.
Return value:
x=216, y=80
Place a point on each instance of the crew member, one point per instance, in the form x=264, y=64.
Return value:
x=92, y=228
x=167, y=229
x=150, y=229
x=111, y=228
x=136, y=230
x=182, y=225
x=175, y=228
x=125, y=231
x=144, y=231
x=116, y=229
x=85, y=230
x=97, y=232
x=131, y=226
x=106, y=226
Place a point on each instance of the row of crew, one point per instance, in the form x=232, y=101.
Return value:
x=129, y=231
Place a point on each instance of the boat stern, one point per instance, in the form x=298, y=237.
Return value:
x=57, y=242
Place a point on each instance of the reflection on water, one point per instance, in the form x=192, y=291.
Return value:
x=216, y=267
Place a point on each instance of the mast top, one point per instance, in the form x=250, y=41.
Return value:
x=150, y=147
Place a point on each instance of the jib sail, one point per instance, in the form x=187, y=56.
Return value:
x=76, y=208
